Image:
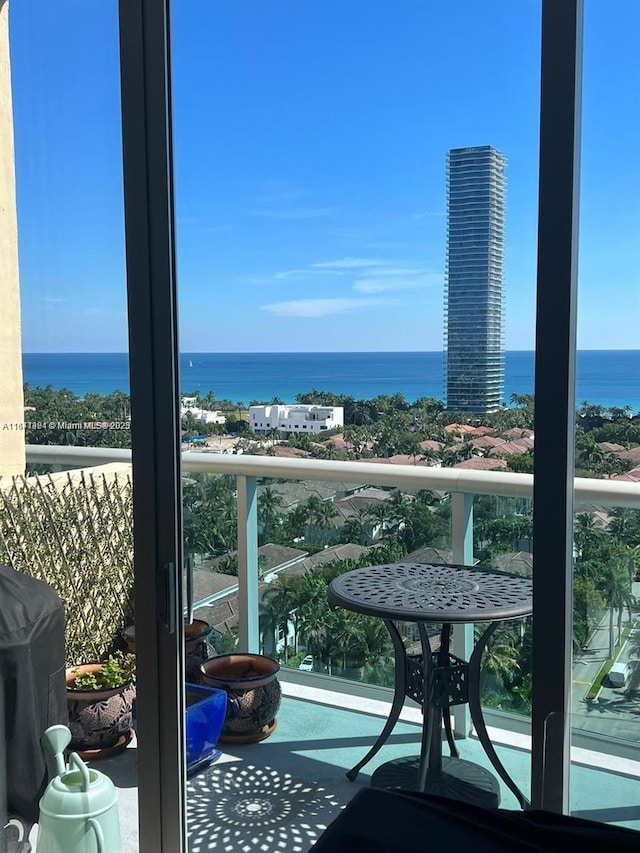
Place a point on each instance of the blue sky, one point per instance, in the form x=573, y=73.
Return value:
x=310, y=169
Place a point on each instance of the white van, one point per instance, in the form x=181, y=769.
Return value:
x=618, y=675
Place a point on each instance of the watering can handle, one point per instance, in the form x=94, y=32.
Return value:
x=95, y=826
x=75, y=759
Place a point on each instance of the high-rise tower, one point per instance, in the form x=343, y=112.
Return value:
x=474, y=334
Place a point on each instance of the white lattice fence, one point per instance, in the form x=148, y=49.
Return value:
x=76, y=533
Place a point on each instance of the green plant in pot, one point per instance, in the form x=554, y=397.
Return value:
x=100, y=700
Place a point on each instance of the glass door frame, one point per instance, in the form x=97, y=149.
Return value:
x=155, y=434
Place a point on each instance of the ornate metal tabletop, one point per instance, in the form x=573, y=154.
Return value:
x=425, y=592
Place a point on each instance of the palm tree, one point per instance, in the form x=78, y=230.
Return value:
x=274, y=434
x=358, y=437
x=351, y=530
x=585, y=535
x=328, y=450
x=269, y=502
x=400, y=507
x=281, y=606
x=269, y=618
x=296, y=521
x=618, y=523
x=383, y=515
x=321, y=513
x=210, y=513
x=209, y=400
x=617, y=589
x=314, y=616
x=500, y=660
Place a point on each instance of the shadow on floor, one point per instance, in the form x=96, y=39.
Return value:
x=238, y=805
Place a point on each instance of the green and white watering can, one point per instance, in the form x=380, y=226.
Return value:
x=79, y=809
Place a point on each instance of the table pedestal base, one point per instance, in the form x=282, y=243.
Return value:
x=460, y=780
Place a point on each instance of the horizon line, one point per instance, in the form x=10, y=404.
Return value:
x=302, y=352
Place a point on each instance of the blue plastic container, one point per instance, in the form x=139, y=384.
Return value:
x=205, y=712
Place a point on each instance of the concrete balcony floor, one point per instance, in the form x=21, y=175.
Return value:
x=279, y=795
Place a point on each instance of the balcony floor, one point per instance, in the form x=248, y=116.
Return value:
x=278, y=795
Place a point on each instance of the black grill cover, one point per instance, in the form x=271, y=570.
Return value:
x=32, y=672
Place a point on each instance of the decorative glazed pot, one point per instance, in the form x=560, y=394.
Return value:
x=197, y=646
x=251, y=684
x=100, y=720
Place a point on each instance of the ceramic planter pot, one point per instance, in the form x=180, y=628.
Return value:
x=100, y=720
x=197, y=646
x=253, y=690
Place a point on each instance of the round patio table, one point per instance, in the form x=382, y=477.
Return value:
x=445, y=595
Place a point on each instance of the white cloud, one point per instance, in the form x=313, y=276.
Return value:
x=352, y=263
x=394, y=271
x=54, y=299
x=386, y=285
x=304, y=272
x=319, y=307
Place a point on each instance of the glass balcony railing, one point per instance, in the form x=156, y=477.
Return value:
x=315, y=518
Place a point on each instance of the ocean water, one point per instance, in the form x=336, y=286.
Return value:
x=604, y=377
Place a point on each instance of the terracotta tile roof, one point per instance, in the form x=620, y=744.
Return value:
x=481, y=430
x=478, y=464
x=487, y=441
x=609, y=446
x=633, y=454
x=430, y=444
x=338, y=441
x=519, y=432
x=522, y=445
x=460, y=429
x=632, y=476
x=401, y=459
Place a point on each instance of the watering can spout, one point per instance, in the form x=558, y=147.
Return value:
x=54, y=742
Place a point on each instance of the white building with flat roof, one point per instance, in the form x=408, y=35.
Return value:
x=203, y=416
x=294, y=420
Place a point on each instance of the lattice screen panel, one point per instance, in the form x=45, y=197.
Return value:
x=75, y=532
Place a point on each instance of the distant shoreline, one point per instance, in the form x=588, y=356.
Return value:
x=605, y=377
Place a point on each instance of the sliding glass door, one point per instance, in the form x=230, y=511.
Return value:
x=313, y=248
x=146, y=131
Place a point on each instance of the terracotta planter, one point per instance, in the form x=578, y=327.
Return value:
x=99, y=720
x=253, y=690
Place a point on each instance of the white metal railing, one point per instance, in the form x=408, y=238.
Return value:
x=600, y=492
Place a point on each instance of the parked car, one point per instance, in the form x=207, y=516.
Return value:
x=618, y=675
x=636, y=577
x=307, y=664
